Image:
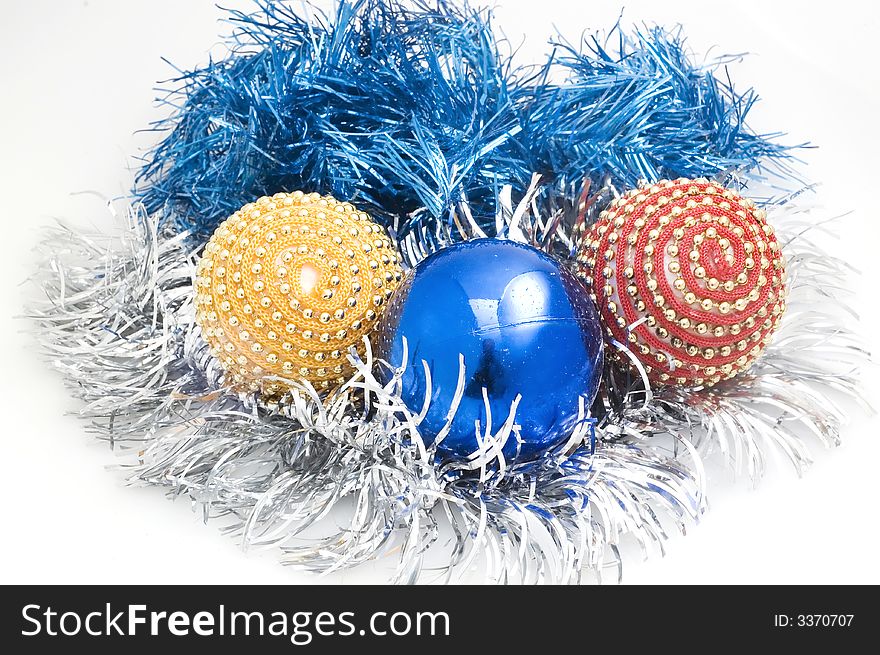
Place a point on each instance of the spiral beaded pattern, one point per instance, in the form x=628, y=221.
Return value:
x=689, y=275
x=288, y=284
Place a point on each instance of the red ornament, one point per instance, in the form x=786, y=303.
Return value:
x=689, y=276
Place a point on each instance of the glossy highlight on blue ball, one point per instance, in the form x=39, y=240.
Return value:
x=524, y=325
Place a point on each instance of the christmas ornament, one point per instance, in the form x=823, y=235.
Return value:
x=689, y=275
x=527, y=336
x=288, y=284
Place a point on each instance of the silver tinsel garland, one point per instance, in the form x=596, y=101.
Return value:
x=340, y=481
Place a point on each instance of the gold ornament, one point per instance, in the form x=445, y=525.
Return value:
x=288, y=284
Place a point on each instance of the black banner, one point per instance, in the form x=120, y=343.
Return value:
x=427, y=619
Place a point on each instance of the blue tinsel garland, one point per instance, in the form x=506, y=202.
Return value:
x=639, y=110
x=407, y=109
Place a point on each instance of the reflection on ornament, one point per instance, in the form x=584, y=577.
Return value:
x=525, y=328
x=288, y=284
x=689, y=275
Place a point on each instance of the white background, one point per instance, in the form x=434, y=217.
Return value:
x=77, y=79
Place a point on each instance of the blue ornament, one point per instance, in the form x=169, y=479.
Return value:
x=524, y=325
